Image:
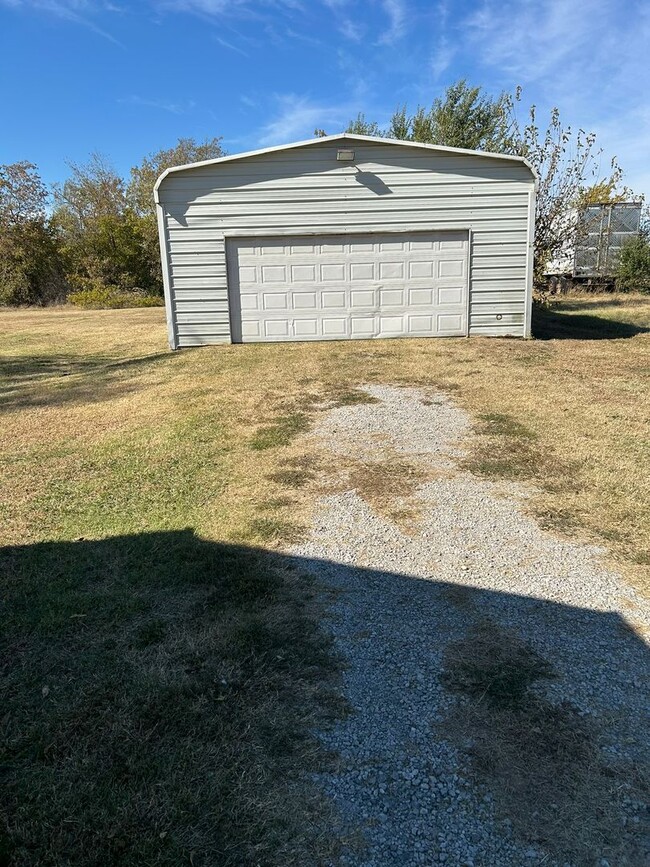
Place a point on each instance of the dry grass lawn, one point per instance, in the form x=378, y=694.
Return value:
x=568, y=412
x=112, y=447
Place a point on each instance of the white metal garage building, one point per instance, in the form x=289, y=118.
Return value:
x=347, y=237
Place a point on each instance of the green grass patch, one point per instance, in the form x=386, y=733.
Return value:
x=606, y=319
x=293, y=478
x=500, y=424
x=280, y=432
x=507, y=449
x=351, y=396
x=271, y=529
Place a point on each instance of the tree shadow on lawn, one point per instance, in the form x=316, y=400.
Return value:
x=557, y=325
x=47, y=380
x=162, y=693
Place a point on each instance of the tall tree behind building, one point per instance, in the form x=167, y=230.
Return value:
x=139, y=191
x=31, y=270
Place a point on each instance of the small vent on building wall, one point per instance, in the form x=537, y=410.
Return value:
x=345, y=154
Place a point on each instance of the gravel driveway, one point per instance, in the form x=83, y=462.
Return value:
x=421, y=775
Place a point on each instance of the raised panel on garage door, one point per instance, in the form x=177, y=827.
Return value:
x=348, y=286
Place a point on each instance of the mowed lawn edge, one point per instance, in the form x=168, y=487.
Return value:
x=166, y=666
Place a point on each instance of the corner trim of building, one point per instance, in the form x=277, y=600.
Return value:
x=528, y=310
x=172, y=334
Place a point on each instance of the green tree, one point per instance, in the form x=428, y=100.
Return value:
x=463, y=117
x=23, y=195
x=139, y=192
x=400, y=125
x=361, y=126
x=633, y=269
x=30, y=263
x=93, y=190
x=466, y=117
x=422, y=126
x=103, y=241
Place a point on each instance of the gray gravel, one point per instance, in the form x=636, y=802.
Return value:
x=401, y=787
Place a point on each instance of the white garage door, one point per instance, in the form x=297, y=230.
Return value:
x=348, y=286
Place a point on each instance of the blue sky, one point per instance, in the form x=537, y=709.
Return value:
x=128, y=78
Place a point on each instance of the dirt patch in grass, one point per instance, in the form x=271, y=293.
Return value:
x=389, y=487
x=540, y=760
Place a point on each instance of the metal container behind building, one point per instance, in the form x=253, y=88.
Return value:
x=602, y=231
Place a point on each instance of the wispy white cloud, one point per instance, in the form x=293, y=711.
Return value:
x=351, y=26
x=350, y=23
x=532, y=39
x=443, y=55
x=587, y=58
x=230, y=45
x=81, y=12
x=397, y=14
x=160, y=104
x=297, y=117
x=352, y=30
x=290, y=33
x=230, y=8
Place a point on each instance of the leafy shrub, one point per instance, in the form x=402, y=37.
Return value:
x=633, y=271
x=31, y=268
x=112, y=297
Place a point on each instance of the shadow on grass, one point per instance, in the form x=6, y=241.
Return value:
x=158, y=694
x=557, y=325
x=161, y=692
x=44, y=380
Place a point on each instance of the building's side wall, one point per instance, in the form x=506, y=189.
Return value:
x=305, y=190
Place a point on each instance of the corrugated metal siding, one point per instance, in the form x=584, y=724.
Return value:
x=306, y=191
